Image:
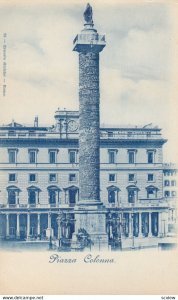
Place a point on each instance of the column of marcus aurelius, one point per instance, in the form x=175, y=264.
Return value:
x=90, y=213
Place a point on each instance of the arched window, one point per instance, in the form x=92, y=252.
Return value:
x=151, y=192
x=71, y=194
x=33, y=195
x=53, y=194
x=13, y=193
x=113, y=194
x=132, y=193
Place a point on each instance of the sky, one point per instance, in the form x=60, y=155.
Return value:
x=136, y=66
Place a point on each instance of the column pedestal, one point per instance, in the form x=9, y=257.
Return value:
x=94, y=222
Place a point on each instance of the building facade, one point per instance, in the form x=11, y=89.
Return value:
x=39, y=177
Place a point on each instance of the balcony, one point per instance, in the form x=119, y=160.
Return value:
x=161, y=202
x=23, y=205
x=88, y=38
x=127, y=135
x=12, y=205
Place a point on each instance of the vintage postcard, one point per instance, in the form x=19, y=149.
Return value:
x=88, y=147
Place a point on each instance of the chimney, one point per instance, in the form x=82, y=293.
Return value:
x=36, y=121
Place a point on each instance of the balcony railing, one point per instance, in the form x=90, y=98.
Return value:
x=153, y=202
x=84, y=38
x=12, y=205
x=32, y=205
x=118, y=133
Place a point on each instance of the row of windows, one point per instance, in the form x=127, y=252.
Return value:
x=131, y=156
x=32, y=155
x=131, y=177
x=170, y=183
x=33, y=177
x=53, y=195
x=73, y=177
x=170, y=193
x=170, y=172
x=73, y=156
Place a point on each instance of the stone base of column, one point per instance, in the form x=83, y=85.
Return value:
x=93, y=220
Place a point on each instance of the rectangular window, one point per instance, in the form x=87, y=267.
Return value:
x=131, y=177
x=32, y=133
x=167, y=194
x=110, y=134
x=173, y=193
x=52, y=177
x=166, y=183
x=112, y=177
x=131, y=157
x=151, y=193
x=72, y=177
x=129, y=134
x=12, y=156
x=12, y=197
x=111, y=157
x=72, y=157
x=132, y=195
x=11, y=133
x=32, y=196
x=173, y=183
x=150, y=177
x=32, y=157
x=150, y=157
x=32, y=177
x=52, y=157
x=166, y=173
x=12, y=177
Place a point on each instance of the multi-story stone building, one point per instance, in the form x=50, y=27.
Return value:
x=39, y=176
